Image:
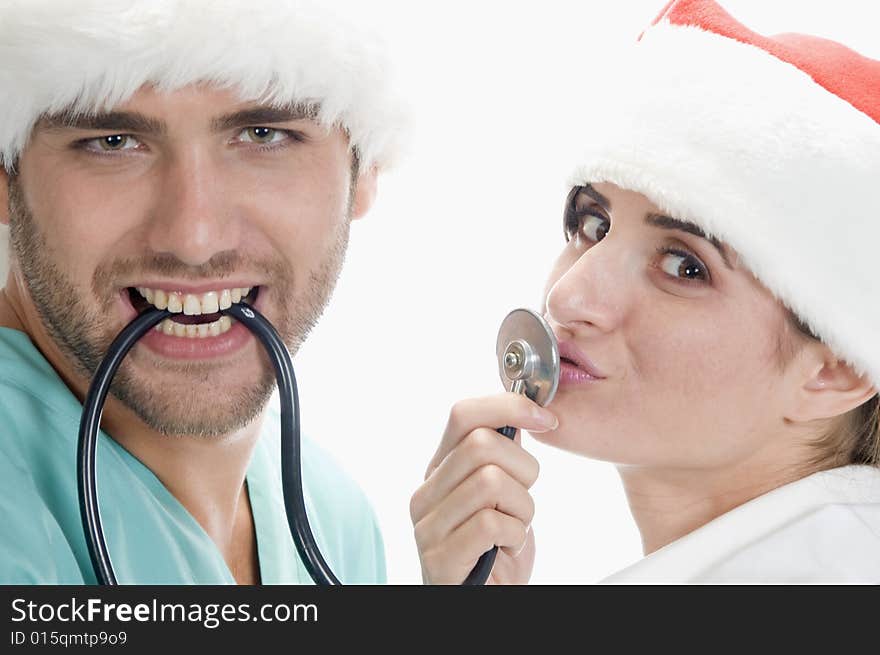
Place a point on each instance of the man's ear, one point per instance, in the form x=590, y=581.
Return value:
x=4, y=196
x=365, y=192
x=828, y=386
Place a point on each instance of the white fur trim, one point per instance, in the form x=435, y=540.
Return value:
x=93, y=54
x=750, y=148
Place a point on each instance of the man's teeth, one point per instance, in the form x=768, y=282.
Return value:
x=199, y=331
x=193, y=304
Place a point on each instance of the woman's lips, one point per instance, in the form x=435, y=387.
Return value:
x=575, y=366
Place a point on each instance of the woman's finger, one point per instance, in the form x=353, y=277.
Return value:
x=491, y=412
x=451, y=561
x=489, y=487
x=481, y=447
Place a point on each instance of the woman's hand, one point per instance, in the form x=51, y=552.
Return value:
x=475, y=493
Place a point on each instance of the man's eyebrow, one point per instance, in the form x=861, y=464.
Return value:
x=130, y=121
x=668, y=223
x=117, y=121
x=262, y=115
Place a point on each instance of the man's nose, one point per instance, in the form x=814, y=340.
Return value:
x=194, y=215
x=595, y=291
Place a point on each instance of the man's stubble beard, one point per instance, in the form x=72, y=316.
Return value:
x=82, y=337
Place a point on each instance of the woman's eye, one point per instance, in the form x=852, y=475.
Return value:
x=112, y=143
x=683, y=265
x=588, y=226
x=594, y=227
x=263, y=135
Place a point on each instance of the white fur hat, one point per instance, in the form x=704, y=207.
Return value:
x=93, y=54
x=771, y=144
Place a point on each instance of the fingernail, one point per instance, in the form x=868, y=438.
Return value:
x=546, y=419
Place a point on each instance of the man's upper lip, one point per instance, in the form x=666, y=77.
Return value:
x=567, y=350
x=202, y=287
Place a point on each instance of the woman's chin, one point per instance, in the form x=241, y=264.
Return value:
x=597, y=441
x=575, y=444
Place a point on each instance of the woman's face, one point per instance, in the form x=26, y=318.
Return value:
x=682, y=341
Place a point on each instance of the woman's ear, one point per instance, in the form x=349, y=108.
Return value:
x=364, y=193
x=828, y=386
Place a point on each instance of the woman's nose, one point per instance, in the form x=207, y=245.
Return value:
x=594, y=291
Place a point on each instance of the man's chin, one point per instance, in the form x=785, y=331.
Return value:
x=203, y=408
x=199, y=422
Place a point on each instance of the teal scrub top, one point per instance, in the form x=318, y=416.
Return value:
x=151, y=537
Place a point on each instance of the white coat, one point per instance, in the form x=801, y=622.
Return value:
x=822, y=529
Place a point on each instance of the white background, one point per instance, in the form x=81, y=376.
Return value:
x=464, y=230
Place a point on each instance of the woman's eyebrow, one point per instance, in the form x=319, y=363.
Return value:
x=595, y=195
x=669, y=223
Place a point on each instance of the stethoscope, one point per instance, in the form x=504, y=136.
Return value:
x=528, y=363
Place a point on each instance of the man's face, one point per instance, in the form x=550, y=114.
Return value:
x=194, y=197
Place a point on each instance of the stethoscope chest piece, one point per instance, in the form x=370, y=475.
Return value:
x=528, y=356
x=528, y=363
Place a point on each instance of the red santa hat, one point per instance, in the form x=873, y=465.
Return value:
x=771, y=144
x=93, y=54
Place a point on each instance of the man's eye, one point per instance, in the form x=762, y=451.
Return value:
x=683, y=265
x=112, y=143
x=263, y=135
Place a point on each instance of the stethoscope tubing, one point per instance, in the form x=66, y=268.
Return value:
x=90, y=423
x=291, y=462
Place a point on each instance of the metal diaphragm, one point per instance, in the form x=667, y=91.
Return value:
x=528, y=353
